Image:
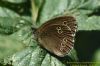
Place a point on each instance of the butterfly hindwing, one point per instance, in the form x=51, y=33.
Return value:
x=57, y=35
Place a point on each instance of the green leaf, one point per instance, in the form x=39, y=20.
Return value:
x=10, y=25
x=9, y=46
x=32, y=56
x=4, y=12
x=68, y=6
x=88, y=23
x=35, y=56
x=90, y=4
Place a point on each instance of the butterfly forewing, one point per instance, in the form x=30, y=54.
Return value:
x=57, y=35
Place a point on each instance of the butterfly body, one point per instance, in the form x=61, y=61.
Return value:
x=57, y=35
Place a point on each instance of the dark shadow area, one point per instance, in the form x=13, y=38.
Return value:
x=87, y=42
x=5, y=65
x=95, y=13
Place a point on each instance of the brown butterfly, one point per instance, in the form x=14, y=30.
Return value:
x=57, y=35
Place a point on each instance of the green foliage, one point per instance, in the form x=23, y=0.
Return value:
x=18, y=46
